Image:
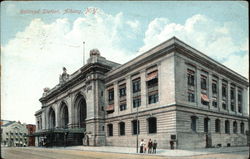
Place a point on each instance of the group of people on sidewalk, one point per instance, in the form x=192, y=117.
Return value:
x=150, y=146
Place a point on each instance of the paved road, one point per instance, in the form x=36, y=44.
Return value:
x=42, y=153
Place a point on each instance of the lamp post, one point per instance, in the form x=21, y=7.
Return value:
x=137, y=129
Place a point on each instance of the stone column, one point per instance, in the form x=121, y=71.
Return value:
x=69, y=102
x=210, y=90
x=116, y=98
x=198, y=87
x=245, y=105
x=228, y=96
x=143, y=88
x=43, y=120
x=57, y=116
x=128, y=93
x=220, y=94
x=159, y=83
x=236, y=100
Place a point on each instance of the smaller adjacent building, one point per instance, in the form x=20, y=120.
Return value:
x=13, y=134
x=31, y=130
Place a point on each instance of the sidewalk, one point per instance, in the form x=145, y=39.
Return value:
x=161, y=152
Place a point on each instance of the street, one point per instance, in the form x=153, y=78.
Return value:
x=52, y=153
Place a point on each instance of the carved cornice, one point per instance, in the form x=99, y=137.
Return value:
x=87, y=70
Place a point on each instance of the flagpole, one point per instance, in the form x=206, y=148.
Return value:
x=83, y=52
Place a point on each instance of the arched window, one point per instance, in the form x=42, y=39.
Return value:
x=152, y=125
x=217, y=125
x=135, y=127
x=110, y=129
x=193, y=123
x=242, y=128
x=235, y=128
x=227, y=127
x=121, y=128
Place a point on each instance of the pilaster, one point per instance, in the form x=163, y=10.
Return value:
x=143, y=88
x=210, y=90
x=116, y=98
x=220, y=94
x=198, y=87
x=128, y=93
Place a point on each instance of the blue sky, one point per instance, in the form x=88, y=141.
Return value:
x=35, y=47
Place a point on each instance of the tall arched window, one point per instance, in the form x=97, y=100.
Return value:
x=193, y=123
x=217, y=125
x=121, y=128
x=235, y=129
x=227, y=127
x=242, y=128
x=135, y=127
x=110, y=129
x=152, y=125
x=206, y=125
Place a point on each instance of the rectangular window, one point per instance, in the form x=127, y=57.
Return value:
x=111, y=96
x=224, y=105
x=232, y=96
x=136, y=102
x=214, y=88
x=190, y=76
x=224, y=91
x=136, y=85
x=191, y=96
x=153, y=98
x=152, y=87
x=203, y=82
x=122, y=90
x=123, y=106
x=214, y=103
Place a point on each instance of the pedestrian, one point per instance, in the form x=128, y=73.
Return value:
x=150, y=144
x=142, y=145
x=154, y=146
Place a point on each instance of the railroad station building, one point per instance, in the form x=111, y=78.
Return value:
x=171, y=92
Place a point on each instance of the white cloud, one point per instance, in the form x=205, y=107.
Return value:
x=210, y=37
x=35, y=57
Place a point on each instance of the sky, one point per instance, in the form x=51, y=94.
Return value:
x=39, y=38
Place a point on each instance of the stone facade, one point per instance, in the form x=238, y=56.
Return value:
x=171, y=93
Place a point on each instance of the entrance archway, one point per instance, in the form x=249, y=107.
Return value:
x=64, y=114
x=80, y=111
x=52, y=119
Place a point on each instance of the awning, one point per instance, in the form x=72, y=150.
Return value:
x=152, y=75
x=204, y=97
x=110, y=107
x=58, y=131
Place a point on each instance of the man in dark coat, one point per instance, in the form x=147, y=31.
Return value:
x=154, y=146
